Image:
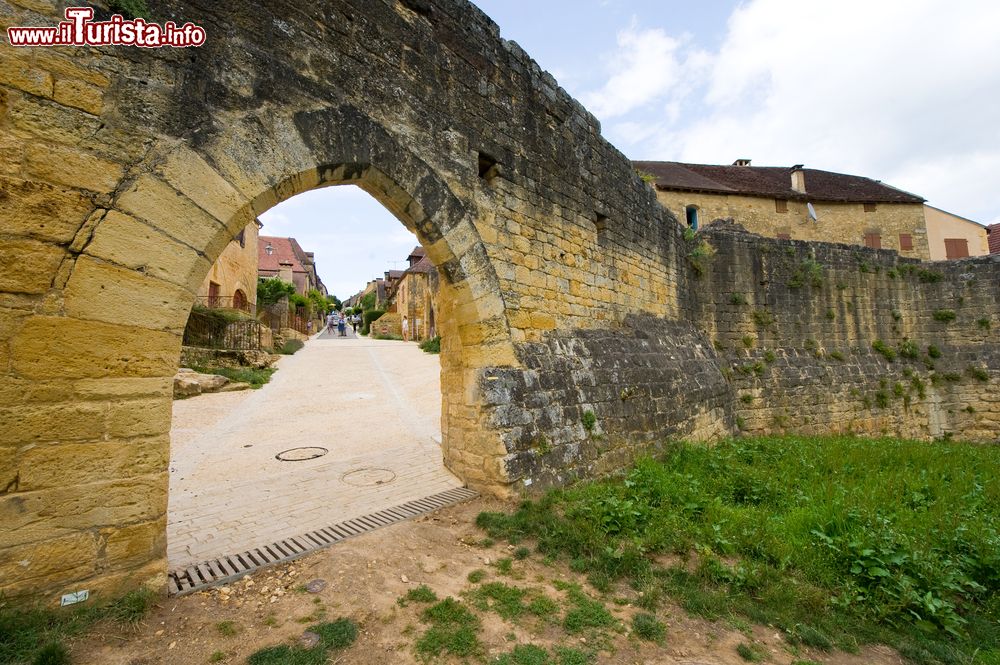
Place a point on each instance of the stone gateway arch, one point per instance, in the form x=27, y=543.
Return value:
x=580, y=326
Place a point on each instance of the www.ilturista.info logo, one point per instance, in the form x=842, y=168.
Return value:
x=79, y=30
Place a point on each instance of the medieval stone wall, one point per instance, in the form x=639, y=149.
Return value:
x=566, y=289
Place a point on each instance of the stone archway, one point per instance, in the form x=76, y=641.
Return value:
x=570, y=290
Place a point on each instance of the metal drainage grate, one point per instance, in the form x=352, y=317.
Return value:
x=232, y=567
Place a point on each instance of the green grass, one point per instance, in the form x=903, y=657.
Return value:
x=291, y=346
x=335, y=635
x=750, y=652
x=476, y=576
x=834, y=540
x=227, y=628
x=584, y=612
x=648, y=627
x=453, y=630
x=420, y=594
x=255, y=377
x=35, y=635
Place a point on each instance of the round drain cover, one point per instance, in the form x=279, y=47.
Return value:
x=301, y=454
x=368, y=477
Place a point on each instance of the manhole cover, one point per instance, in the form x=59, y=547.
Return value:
x=301, y=454
x=368, y=477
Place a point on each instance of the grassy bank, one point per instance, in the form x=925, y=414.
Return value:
x=254, y=376
x=36, y=636
x=836, y=541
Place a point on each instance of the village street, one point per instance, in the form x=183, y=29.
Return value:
x=374, y=406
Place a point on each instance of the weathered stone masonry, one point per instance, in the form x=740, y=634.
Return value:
x=566, y=288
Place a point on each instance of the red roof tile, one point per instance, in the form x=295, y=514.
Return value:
x=773, y=182
x=994, y=237
x=282, y=250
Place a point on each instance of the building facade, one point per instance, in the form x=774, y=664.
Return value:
x=232, y=280
x=416, y=298
x=285, y=258
x=952, y=237
x=793, y=203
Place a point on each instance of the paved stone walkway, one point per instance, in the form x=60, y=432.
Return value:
x=375, y=405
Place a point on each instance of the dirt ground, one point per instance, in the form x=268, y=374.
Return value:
x=364, y=578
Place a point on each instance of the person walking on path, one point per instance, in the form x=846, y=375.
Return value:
x=354, y=323
x=342, y=326
x=331, y=320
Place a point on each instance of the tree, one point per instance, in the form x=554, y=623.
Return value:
x=321, y=304
x=335, y=301
x=271, y=290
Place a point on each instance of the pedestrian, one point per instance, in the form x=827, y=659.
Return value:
x=354, y=323
x=342, y=326
x=309, y=327
x=331, y=321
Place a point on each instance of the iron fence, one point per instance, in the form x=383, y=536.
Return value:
x=211, y=331
x=238, y=303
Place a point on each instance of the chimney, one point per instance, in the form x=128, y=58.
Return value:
x=741, y=162
x=285, y=273
x=798, y=179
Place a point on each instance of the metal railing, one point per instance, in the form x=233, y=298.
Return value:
x=210, y=331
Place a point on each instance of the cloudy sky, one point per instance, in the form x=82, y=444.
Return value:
x=903, y=91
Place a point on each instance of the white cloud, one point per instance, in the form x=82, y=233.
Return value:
x=905, y=91
x=647, y=64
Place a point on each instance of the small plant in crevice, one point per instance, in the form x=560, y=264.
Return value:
x=831, y=315
x=130, y=9
x=978, y=373
x=589, y=421
x=737, y=299
x=746, y=398
x=884, y=349
x=809, y=272
x=769, y=356
x=944, y=315
x=763, y=318
x=909, y=350
x=700, y=256
x=983, y=323
x=933, y=352
x=748, y=341
x=837, y=355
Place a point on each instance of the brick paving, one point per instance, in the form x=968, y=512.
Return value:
x=375, y=405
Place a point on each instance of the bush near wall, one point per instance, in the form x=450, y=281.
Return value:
x=368, y=317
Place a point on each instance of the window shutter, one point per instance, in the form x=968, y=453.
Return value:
x=905, y=241
x=956, y=248
x=873, y=240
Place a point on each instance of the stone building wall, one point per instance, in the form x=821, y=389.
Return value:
x=566, y=288
x=236, y=268
x=836, y=222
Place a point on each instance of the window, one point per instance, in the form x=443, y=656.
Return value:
x=692, y=217
x=956, y=248
x=780, y=205
x=873, y=239
x=905, y=242
x=213, y=294
x=870, y=207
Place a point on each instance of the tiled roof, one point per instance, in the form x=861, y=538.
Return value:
x=773, y=182
x=424, y=265
x=994, y=237
x=282, y=250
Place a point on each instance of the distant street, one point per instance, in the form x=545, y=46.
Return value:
x=374, y=405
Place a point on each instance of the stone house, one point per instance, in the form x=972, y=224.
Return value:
x=993, y=235
x=794, y=203
x=416, y=297
x=232, y=280
x=285, y=258
x=953, y=237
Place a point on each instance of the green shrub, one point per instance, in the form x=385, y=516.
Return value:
x=589, y=420
x=944, y=315
x=978, y=373
x=291, y=346
x=762, y=318
x=933, y=351
x=983, y=323
x=420, y=594
x=369, y=317
x=909, y=350
x=255, y=377
x=432, y=345
x=737, y=299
